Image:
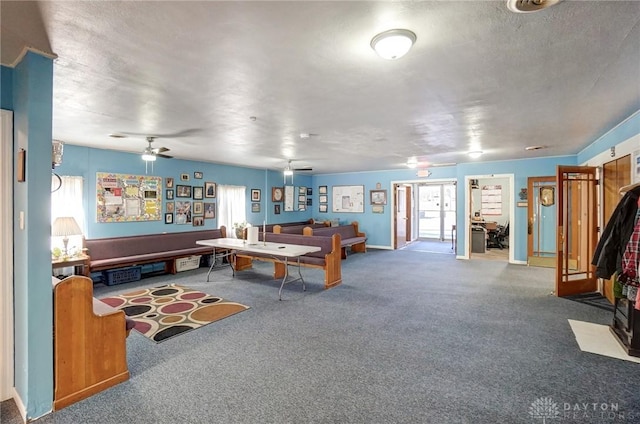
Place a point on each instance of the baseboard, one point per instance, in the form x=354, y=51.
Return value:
x=373, y=246
x=519, y=262
x=20, y=405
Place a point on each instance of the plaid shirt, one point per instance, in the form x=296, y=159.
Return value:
x=631, y=256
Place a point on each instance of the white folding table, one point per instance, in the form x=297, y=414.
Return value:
x=281, y=252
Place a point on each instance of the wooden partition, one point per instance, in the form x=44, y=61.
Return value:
x=89, y=342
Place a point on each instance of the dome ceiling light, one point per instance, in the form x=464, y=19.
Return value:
x=393, y=44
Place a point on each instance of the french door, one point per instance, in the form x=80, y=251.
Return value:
x=436, y=211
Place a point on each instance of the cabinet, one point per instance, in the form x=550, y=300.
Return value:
x=626, y=326
x=478, y=239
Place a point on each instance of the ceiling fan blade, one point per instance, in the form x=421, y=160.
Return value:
x=177, y=134
x=160, y=155
x=160, y=150
x=306, y=168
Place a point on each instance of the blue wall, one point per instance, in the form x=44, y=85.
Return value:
x=621, y=132
x=6, y=88
x=32, y=88
x=86, y=162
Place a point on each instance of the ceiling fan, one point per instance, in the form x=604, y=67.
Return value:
x=150, y=153
x=288, y=170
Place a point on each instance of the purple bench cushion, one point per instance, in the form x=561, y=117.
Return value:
x=347, y=234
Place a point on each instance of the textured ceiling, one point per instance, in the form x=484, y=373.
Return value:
x=478, y=78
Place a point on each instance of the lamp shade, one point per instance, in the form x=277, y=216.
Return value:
x=393, y=44
x=65, y=226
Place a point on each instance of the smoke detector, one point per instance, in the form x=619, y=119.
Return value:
x=528, y=6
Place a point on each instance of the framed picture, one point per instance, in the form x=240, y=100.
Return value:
x=198, y=192
x=302, y=207
x=309, y=191
x=209, y=189
x=183, y=212
x=277, y=194
x=198, y=221
x=377, y=209
x=168, y=182
x=323, y=198
x=184, y=177
x=302, y=190
x=209, y=210
x=255, y=207
x=197, y=175
x=276, y=209
x=168, y=218
x=171, y=207
x=302, y=199
x=322, y=208
x=547, y=195
x=322, y=190
x=309, y=202
x=21, y=171
x=170, y=194
x=198, y=208
x=183, y=191
x=255, y=195
x=378, y=197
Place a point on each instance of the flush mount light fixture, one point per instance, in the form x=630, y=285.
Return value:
x=393, y=44
x=475, y=154
x=412, y=162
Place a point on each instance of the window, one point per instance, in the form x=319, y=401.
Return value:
x=231, y=206
x=67, y=201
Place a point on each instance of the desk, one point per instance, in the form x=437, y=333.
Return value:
x=76, y=261
x=278, y=251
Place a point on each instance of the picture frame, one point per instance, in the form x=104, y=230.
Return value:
x=198, y=175
x=302, y=190
x=322, y=190
x=168, y=218
x=21, y=171
x=255, y=207
x=209, y=210
x=302, y=198
x=377, y=209
x=378, y=197
x=323, y=208
x=183, y=190
x=198, y=192
x=276, y=209
x=302, y=207
x=210, y=189
x=198, y=208
x=277, y=194
x=198, y=221
x=309, y=191
x=171, y=207
x=547, y=195
x=184, y=177
x=169, y=194
x=168, y=182
x=255, y=195
x=183, y=212
x=323, y=198
x=309, y=201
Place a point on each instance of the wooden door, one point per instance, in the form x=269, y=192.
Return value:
x=615, y=174
x=577, y=230
x=400, y=195
x=541, y=222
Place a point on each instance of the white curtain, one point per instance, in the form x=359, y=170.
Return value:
x=67, y=201
x=231, y=207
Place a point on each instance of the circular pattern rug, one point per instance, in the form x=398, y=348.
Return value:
x=163, y=312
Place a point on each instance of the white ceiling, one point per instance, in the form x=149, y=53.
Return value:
x=478, y=78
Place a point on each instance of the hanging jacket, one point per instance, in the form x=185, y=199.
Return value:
x=608, y=254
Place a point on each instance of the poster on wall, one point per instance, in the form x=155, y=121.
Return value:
x=289, y=198
x=348, y=199
x=491, y=200
x=124, y=198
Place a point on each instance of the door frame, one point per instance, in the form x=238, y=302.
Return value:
x=6, y=259
x=392, y=203
x=467, y=214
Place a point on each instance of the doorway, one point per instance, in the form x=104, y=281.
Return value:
x=436, y=211
x=541, y=221
x=402, y=217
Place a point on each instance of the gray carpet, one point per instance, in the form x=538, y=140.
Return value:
x=409, y=337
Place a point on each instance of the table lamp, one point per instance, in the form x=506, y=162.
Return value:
x=65, y=226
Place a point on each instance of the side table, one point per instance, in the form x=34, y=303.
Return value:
x=76, y=262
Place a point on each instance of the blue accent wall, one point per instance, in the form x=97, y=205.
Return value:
x=33, y=305
x=86, y=162
x=621, y=132
x=6, y=88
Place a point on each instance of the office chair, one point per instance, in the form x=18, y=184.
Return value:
x=496, y=236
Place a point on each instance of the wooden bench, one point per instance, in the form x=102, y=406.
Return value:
x=89, y=342
x=297, y=229
x=327, y=259
x=117, y=252
x=350, y=237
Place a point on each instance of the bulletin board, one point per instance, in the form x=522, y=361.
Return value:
x=124, y=198
x=491, y=197
x=348, y=198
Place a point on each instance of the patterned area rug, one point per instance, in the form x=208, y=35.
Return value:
x=163, y=312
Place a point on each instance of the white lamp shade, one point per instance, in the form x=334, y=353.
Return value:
x=149, y=157
x=65, y=226
x=393, y=44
